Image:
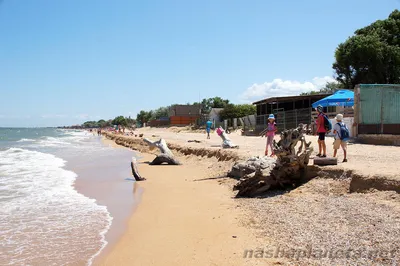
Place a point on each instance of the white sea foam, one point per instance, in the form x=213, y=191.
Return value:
x=26, y=140
x=42, y=218
x=52, y=142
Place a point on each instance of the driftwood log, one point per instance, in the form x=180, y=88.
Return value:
x=135, y=171
x=259, y=174
x=325, y=161
x=166, y=155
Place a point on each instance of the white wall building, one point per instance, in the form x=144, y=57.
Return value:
x=214, y=116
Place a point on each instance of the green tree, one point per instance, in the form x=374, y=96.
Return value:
x=309, y=93
x=330, y=87
x=237, y=111
x=130, y=122
x=371, y=55
x=160, y=112
x=150, y=116
x=140, y=117
x=90, y=124
x=102, y=123
x=120, y=120
x=216, y=102
x=144, y=117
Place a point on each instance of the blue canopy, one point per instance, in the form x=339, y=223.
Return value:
x=339, y=98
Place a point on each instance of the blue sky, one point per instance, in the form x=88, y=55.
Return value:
x=67, y=61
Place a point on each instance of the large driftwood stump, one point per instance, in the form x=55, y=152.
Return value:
x=259, y=174
x=135, y=171
x=166, y=155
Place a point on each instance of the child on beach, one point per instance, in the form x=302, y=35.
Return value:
x=270, y=134
x=341, y=136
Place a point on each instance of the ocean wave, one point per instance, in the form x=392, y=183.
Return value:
x=41, y=211
x=26, y=140
x=51, y=142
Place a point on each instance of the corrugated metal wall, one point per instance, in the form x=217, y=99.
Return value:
x=379, y=109
x=371, y=99
x=391, y=106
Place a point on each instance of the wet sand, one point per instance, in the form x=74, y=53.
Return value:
x=106, y=179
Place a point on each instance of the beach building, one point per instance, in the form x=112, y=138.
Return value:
x=289, y=111
x=215, y=117
x=183, y=115
x=377, y=109
x=162, y=121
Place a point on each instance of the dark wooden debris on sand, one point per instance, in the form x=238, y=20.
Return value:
x=135, y=171
x=325, y=161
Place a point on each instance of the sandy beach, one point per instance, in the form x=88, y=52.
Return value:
x=188, y=214
x=183, y=218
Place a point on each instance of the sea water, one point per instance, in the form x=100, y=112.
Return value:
x=43, y=219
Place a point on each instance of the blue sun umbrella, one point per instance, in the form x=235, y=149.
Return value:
x=339, y=98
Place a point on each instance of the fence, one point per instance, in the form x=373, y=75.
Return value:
x=377, y=109
x=286, y=119
x=183, y=120
x=248, y=123
x=158, y=123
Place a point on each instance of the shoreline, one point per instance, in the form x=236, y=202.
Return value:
x=103, y=178
x=184, y=218
x=112, y=238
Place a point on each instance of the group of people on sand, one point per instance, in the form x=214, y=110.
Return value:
x=340, y=131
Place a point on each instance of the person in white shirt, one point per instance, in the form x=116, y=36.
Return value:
x=339, y=141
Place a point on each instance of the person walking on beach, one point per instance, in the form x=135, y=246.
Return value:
x=270, y=134
x=321, y=131
x=208, y=128
x=341, y=136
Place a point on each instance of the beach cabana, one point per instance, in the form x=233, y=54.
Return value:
x=343, y=98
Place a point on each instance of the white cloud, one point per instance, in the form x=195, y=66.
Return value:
x=279, y=87
x=53, y=116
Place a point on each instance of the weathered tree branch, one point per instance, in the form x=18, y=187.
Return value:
x=135, y=171
x=226, y=142
x=166, y=155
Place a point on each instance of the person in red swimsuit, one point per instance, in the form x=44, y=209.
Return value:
x=321, y=131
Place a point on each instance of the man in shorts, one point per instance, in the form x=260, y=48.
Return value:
x=321, y=131
x=339, y=142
